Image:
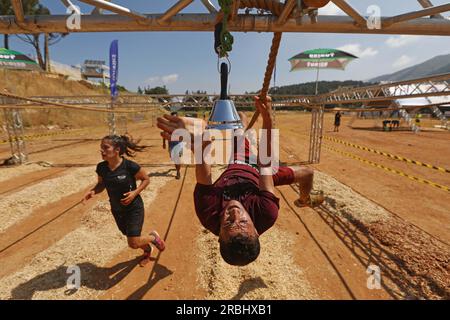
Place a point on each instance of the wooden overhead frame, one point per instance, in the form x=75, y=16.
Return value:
x=344, y=6
x=417, y=14
x=211, y=8
x=283, y=20
x=18, y=11
x=287, y=10
x=106, y=5
x=428, y=4
x=177, y=7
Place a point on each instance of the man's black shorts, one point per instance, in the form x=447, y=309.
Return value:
x=130, y=219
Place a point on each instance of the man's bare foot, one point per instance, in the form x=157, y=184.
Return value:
x=314, y=200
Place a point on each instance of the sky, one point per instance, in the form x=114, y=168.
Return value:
x=186, y=60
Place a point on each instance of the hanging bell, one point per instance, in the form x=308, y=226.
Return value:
x=224, y=115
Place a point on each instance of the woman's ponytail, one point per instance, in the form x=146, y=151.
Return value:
x=126, y=144
x=130, y=147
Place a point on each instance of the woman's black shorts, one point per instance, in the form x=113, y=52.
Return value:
x=130, y=219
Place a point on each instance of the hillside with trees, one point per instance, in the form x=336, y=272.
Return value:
x=309, y=88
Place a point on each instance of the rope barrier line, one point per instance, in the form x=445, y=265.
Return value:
x=401, y=173
x=50, y=106
x=35, y=136
x=417, y=179
x=12, y=96
x=386, y=154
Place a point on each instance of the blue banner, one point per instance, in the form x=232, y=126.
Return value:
x=114, y=67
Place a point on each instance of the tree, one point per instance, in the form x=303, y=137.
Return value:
x=198, y=95
x=108, y=87
x=32, y=7
x=156, y=90
x=121, y=88
x=34, y=40
x=308, y=88
x=6, y=10
x=139, y=90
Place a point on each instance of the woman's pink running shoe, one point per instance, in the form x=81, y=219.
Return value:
x=158, y=242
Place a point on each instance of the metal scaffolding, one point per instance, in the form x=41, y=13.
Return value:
x=391, y=91
x=14, y=129
x=432, y=86
x=316, y=134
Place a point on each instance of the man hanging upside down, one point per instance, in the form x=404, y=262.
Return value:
x=240, y=205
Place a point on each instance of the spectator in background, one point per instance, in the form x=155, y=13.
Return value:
x=337, y=121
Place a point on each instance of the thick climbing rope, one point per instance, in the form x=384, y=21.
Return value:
x=63, y=105
x=276, y=8
x=268, y=75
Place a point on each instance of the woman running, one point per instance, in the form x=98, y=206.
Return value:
x=118, y=175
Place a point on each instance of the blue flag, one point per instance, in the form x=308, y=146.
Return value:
x=114, y=67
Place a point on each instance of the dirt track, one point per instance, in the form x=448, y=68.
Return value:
x=371, y=217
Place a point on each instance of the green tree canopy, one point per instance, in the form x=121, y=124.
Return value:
x=156, y=90
x=309, y=88
x=31, y=8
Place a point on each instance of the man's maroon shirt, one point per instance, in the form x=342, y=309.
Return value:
x=262, y=206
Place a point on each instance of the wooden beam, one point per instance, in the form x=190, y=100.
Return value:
x=427, y=4
x=98, y=10
x=206, y=23
x=115, y=8
x=209, y=6
x=344, y=6
x=234, y=9
x=67, y=3
x=417, y=14
x=18, y=11
x=177, y=7
x=289, y=5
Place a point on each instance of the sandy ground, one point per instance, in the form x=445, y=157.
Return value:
x=89, y=247
x=371, y=218
x=13, y=172
x=17, y=206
